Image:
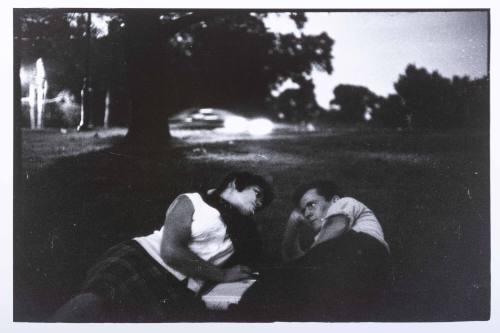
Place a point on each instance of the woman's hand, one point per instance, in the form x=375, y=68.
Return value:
x=237, y=273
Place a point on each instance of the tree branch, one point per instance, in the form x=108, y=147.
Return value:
x=188, y=20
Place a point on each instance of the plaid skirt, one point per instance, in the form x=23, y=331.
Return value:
x=137, y=288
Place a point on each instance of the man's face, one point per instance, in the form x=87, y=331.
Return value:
x=314, y=207
x=248, y=200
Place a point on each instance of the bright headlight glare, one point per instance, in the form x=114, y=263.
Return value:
x=235, y=124
x=260, y=126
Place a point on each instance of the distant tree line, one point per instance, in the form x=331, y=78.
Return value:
x=423, y=100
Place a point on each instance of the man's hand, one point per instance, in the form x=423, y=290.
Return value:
x=295, y=218
x=237, y=273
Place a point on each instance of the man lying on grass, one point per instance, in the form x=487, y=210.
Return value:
x=341, y=275
x=206, y=237
x=321, y=209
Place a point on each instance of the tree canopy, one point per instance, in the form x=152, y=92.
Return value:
x=432, y=101
x=354, y=102
x=298, y=104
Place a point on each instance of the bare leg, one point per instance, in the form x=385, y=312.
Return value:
x=87, y=307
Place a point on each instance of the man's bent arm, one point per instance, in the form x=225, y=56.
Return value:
x=290, y=247
x=333, y=227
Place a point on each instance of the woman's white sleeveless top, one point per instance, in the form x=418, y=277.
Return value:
x=209, y=239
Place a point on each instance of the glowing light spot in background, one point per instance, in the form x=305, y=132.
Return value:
x=235, y=124
x=25, y=74
x=260, y=126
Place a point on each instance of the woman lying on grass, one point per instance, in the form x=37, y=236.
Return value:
x=206, y=237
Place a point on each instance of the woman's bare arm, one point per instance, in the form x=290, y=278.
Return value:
x=176, y=253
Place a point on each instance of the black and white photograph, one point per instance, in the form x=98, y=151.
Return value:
x=251, y=165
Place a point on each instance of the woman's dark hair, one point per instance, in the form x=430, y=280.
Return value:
x=244, y=179
x=325, y=188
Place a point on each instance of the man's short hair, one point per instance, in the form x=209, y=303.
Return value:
x=244, y=179
x=325, y=188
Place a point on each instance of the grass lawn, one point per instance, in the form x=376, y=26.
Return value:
x=78, y=194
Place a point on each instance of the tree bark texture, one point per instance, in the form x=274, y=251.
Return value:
x=146, y=65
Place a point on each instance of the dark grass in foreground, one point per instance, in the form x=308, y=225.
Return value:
x=430, y=192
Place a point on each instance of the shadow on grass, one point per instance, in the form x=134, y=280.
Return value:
x=435, y=213
x=73, y=210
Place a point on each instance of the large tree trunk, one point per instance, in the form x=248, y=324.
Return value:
x=146, y=55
